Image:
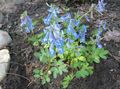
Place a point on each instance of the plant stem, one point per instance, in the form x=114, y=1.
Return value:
x=90, y=10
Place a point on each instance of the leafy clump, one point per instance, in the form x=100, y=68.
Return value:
x=64, y=44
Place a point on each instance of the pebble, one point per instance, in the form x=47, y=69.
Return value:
x=112, y=35
x=4, y=63
x=5, y=39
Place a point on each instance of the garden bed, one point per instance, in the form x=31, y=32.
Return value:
x=106, y=75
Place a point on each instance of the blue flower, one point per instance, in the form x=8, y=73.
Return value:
x=51, y=37
x=87, y=18
x=51, y=49
x=59, y=43
x=45, y=39
x=54, y=9
x=23, y=22
x=99, y=45
x=56, y=30
x=27, y=22
x=101, y=6
x=70, y=30
x=85, y=28
x=68, y=41
x=99, y=36
x=60, y=50
x=83, y=33
x=104, y=25
x=75, y=22
x=54, y=38
x=82, y=38
x=65, y=17
x=47, y=19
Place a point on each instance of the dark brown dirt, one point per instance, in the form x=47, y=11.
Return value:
x=106, y=75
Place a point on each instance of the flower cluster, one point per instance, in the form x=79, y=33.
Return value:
x=101, y=6
x=101, y=28
x=61, y=30
x=102, y=24
x=53, y=33
x=57, y=35
x=26, y=22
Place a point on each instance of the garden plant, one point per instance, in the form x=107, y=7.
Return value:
x=66, y=44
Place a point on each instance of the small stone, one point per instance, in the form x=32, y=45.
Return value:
x=4, y=62
x=112, y=35
x=5, y=39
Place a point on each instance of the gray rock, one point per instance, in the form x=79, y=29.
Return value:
x=5, y=39
x=2, y=1
x=4, y=63
x=112, y=35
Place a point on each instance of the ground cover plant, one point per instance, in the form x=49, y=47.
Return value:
x=65, y=46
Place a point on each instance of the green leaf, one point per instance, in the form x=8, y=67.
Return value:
x=36, y=43
x=37, y=76
x=55, y=71
x=47, y=78
x=96, y=59
x=66, y=81
x=43, y=81
x=82, y=73
x=82, y=58
x=36, y=71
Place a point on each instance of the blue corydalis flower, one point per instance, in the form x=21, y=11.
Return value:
x=99, y=45
x=99, y=36
x=51, y=49
x=56, y=30
x=53, y=11
x=26, y=22
x=70, y=30
x=75, y=22
x=47, y=19
x=87, y=18
x=101, y=6
x=59, y=46
x=65, y=17
x=59, y=43
x=53, y=37
x=60, y=50
x=68, y=42
x=45, y=39
x=104, y=25
x=83, y=34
